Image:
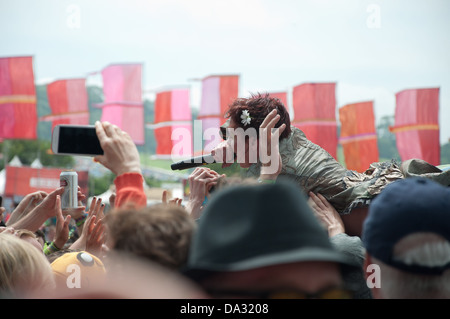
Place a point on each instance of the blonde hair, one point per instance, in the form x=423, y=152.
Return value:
x=24, y=271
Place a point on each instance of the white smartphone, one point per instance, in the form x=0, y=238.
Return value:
x=78, y=140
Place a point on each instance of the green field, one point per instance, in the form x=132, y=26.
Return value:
x=158, y=163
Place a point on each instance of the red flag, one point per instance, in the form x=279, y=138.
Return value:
x=358, y=135
x=417, y=124
x=18, y=114
x=68, y=101
x=314, y=107
x=173, y=123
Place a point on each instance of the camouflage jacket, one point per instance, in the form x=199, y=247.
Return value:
x=314, y=169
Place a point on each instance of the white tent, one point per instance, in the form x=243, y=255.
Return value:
x=14, y=162
x=104, y=196
x=37, y=164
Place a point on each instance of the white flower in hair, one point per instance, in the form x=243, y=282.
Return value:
x=245, y=117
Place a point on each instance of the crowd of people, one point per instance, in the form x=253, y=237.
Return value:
x=298, y=225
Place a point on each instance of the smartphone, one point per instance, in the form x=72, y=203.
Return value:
x=81, y=140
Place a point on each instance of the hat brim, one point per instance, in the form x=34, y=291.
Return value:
x=201, y=271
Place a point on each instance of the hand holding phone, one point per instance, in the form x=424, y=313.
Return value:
x=78, y=140
x=120, y=153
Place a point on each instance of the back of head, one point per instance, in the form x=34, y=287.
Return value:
x=161, y=233
x=407, y=231
x=258, y=107
x=24, y=270
x=424, y=249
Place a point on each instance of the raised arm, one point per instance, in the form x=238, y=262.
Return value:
x=26, y=205
x=326, y=213
x=269, y=147
x=38, y=215
x=122, y=158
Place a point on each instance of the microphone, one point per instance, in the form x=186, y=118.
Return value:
x=193, y=162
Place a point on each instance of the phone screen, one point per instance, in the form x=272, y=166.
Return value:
x=81, y=140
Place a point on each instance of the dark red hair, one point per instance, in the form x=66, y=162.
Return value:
x=258, y=106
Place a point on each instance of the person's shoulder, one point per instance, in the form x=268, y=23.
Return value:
x=296, y=139
x=350, y=245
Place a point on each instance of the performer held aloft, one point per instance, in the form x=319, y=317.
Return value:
x=313, y=168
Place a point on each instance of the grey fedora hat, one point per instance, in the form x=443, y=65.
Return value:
x=253, y=226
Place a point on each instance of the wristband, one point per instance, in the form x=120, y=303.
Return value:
x=80, y=221
x=51, y=248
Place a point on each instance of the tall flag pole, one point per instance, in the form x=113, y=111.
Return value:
x=416, y=125
x=314, y=106
x=18, y=114
x=358, y=135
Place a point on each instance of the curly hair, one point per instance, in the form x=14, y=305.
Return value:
x=259, y=105
x=161, y=233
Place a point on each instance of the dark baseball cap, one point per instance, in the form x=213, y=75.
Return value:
x=407, y=206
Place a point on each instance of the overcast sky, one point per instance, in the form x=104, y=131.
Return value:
x=371, y=49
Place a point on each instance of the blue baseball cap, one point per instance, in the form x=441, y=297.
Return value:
x=404, y=207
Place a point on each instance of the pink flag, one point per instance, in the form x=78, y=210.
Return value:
x=18, y=114
x=314, y=107
x=173, y=124
x=68, y=101
x=122, y=106
x=218, y=91
x=417, y=124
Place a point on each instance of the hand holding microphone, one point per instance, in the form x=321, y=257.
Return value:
x=193, y=162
